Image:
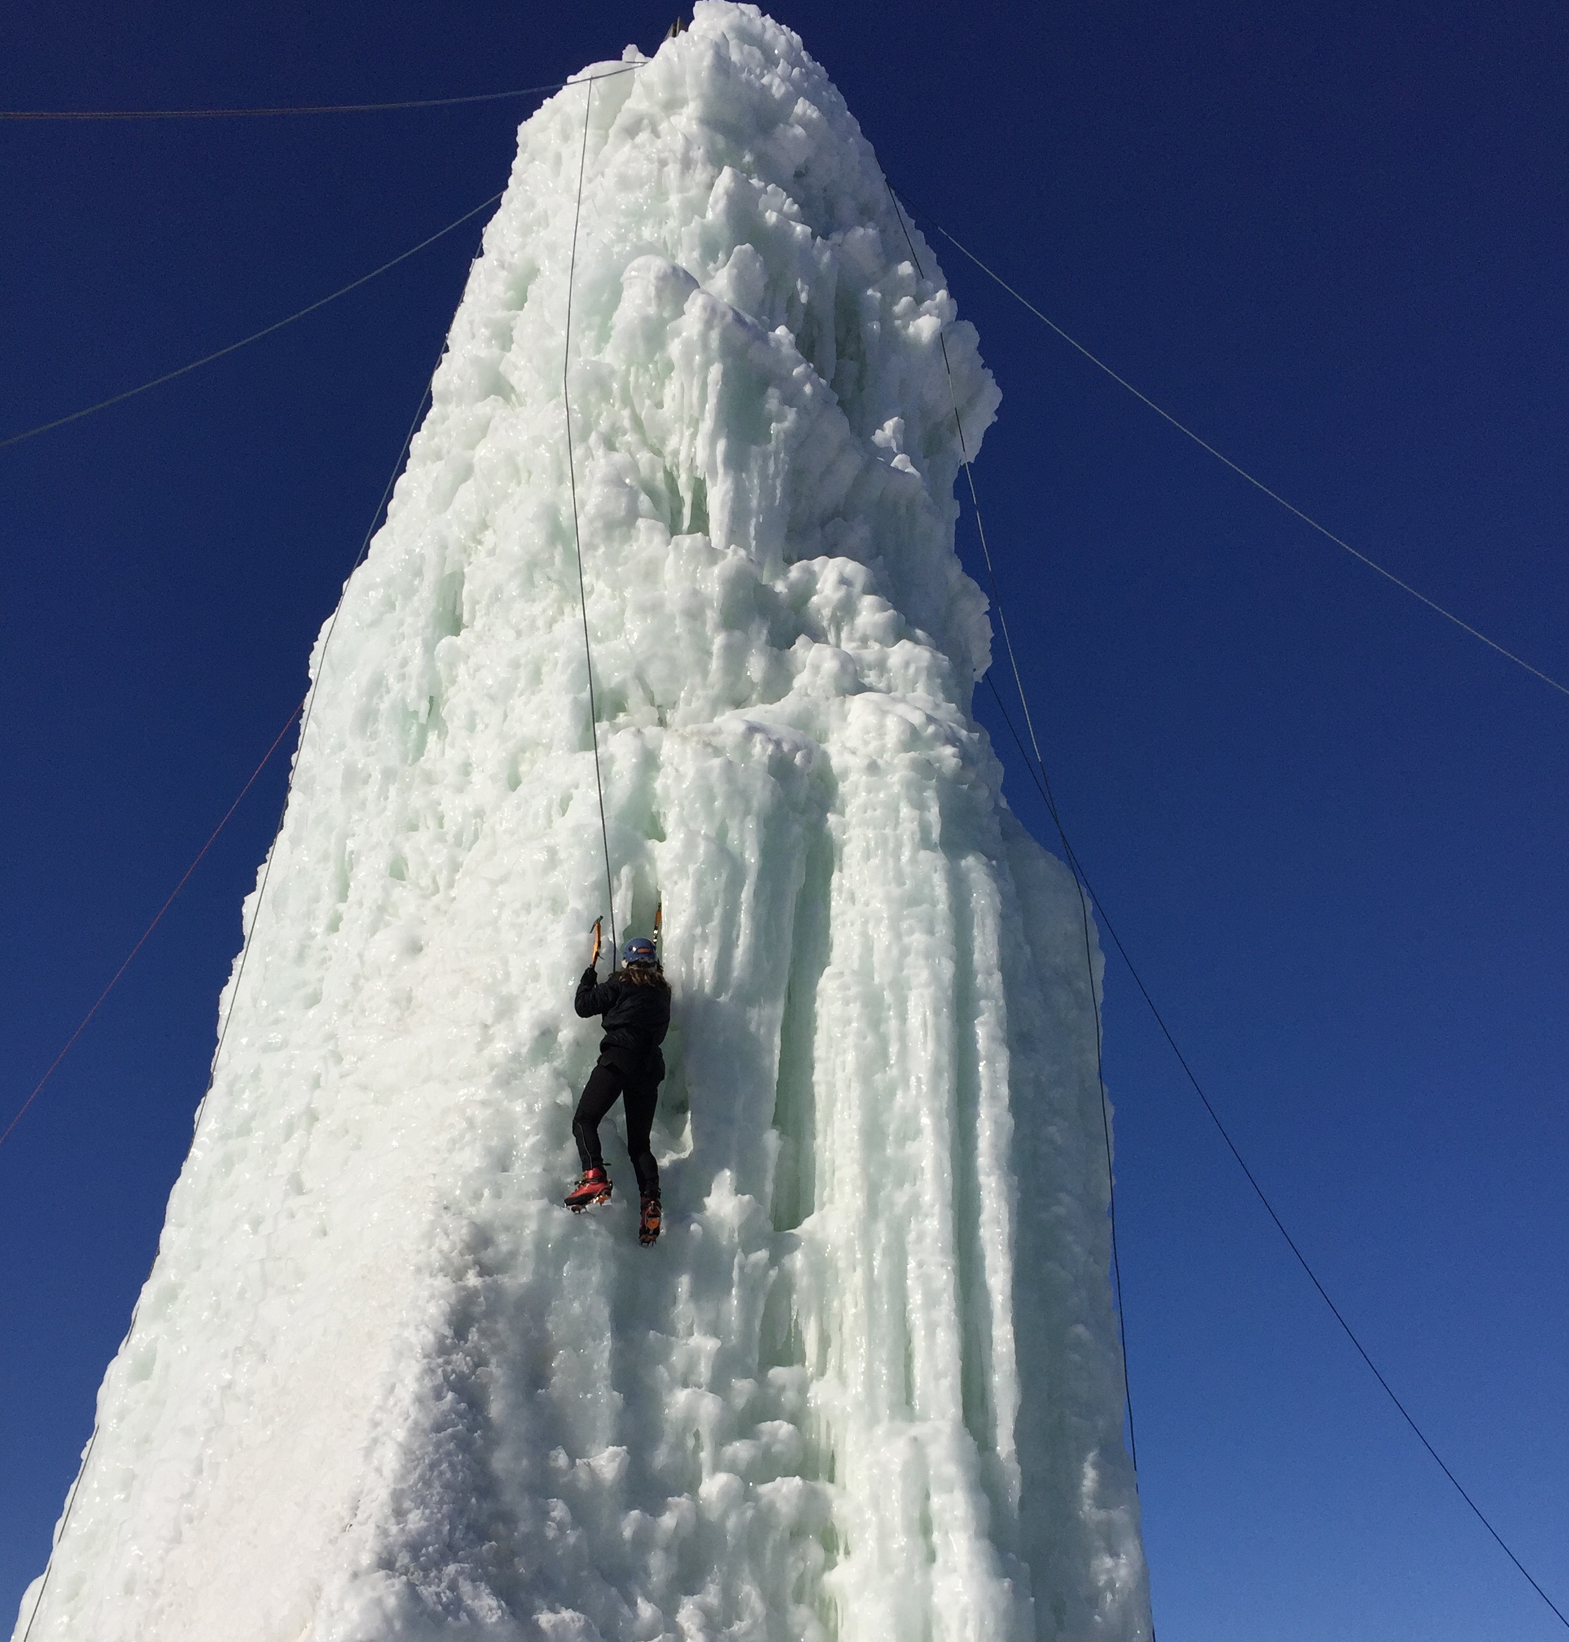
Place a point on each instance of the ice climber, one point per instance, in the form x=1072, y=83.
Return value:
x=635, y=1002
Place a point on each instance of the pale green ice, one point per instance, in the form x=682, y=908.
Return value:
x=381, y=1384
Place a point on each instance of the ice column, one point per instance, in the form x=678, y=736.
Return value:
x=381, y=1385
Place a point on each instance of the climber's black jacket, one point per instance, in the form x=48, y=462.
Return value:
x=636, y=1019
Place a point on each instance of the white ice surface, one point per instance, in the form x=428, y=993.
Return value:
x=381, y=1385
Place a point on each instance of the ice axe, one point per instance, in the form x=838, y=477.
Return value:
x=594, y=961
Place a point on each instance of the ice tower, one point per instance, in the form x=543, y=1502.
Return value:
x=381, y=1385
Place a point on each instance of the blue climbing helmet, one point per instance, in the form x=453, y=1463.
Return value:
x=640, y=954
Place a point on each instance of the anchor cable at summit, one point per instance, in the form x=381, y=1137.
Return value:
x=79, y=114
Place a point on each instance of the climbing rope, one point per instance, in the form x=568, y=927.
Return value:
x=245, y=952
x=1036, y=766
x=577, y=535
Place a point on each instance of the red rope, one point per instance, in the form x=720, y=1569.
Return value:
x=185, y=877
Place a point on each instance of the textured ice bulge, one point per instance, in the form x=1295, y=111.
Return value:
x=381, y=1384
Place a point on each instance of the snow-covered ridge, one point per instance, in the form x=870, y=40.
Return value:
x=382, y=1385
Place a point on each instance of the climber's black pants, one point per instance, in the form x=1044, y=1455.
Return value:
x=638, y=1089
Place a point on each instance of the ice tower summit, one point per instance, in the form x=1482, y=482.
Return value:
x=381, y=1386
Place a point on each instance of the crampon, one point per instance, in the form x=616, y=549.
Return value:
x=648, y=1221
x=592, y=1188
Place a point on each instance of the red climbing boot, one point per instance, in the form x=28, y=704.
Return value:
x=593, y=1188
x=648, y=1221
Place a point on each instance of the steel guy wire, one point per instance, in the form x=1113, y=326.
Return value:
x=1089, y=960
x=255, y=336
x=1242, y=472
x=157, y=919
x=1037, y=763
x=304, y=108
x=1043, y=786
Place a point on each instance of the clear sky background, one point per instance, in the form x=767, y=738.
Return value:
x=1330, y=826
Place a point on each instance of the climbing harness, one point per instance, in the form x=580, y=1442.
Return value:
x=577, y=534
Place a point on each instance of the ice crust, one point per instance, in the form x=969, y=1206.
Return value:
x=381, y=1384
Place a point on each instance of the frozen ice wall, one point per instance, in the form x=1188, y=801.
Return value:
x=381, y=1384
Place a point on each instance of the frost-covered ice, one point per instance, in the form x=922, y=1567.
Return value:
x=381, y=1384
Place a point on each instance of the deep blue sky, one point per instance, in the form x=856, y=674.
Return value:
x=1330, y=826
